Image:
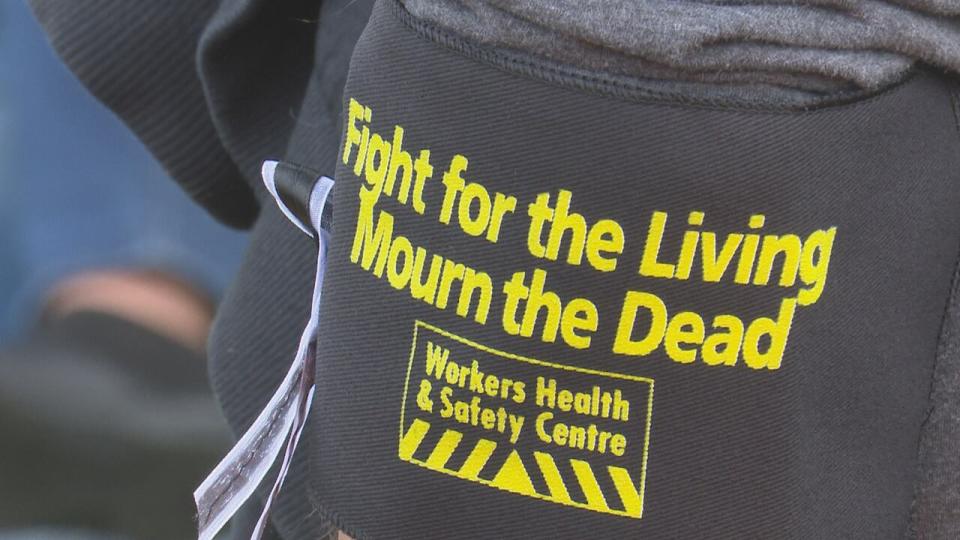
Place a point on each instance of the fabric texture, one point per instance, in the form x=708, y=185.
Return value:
x=215, y=87
x=827, y=448
x=817, y=46
x=936, y=508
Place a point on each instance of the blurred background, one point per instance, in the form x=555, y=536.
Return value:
x=109, y=278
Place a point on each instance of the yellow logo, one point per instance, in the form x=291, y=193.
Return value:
x=558, y=433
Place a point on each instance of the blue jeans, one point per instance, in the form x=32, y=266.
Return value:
x=79, y=192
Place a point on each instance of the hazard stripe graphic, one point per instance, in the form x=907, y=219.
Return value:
x=412, y=439
x=478, y=458
x=558, y=490
x=444, y=449
x=589, y=484
x=632, y=501
x=514, y=474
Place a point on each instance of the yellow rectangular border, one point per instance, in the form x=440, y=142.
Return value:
x=646, y=440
